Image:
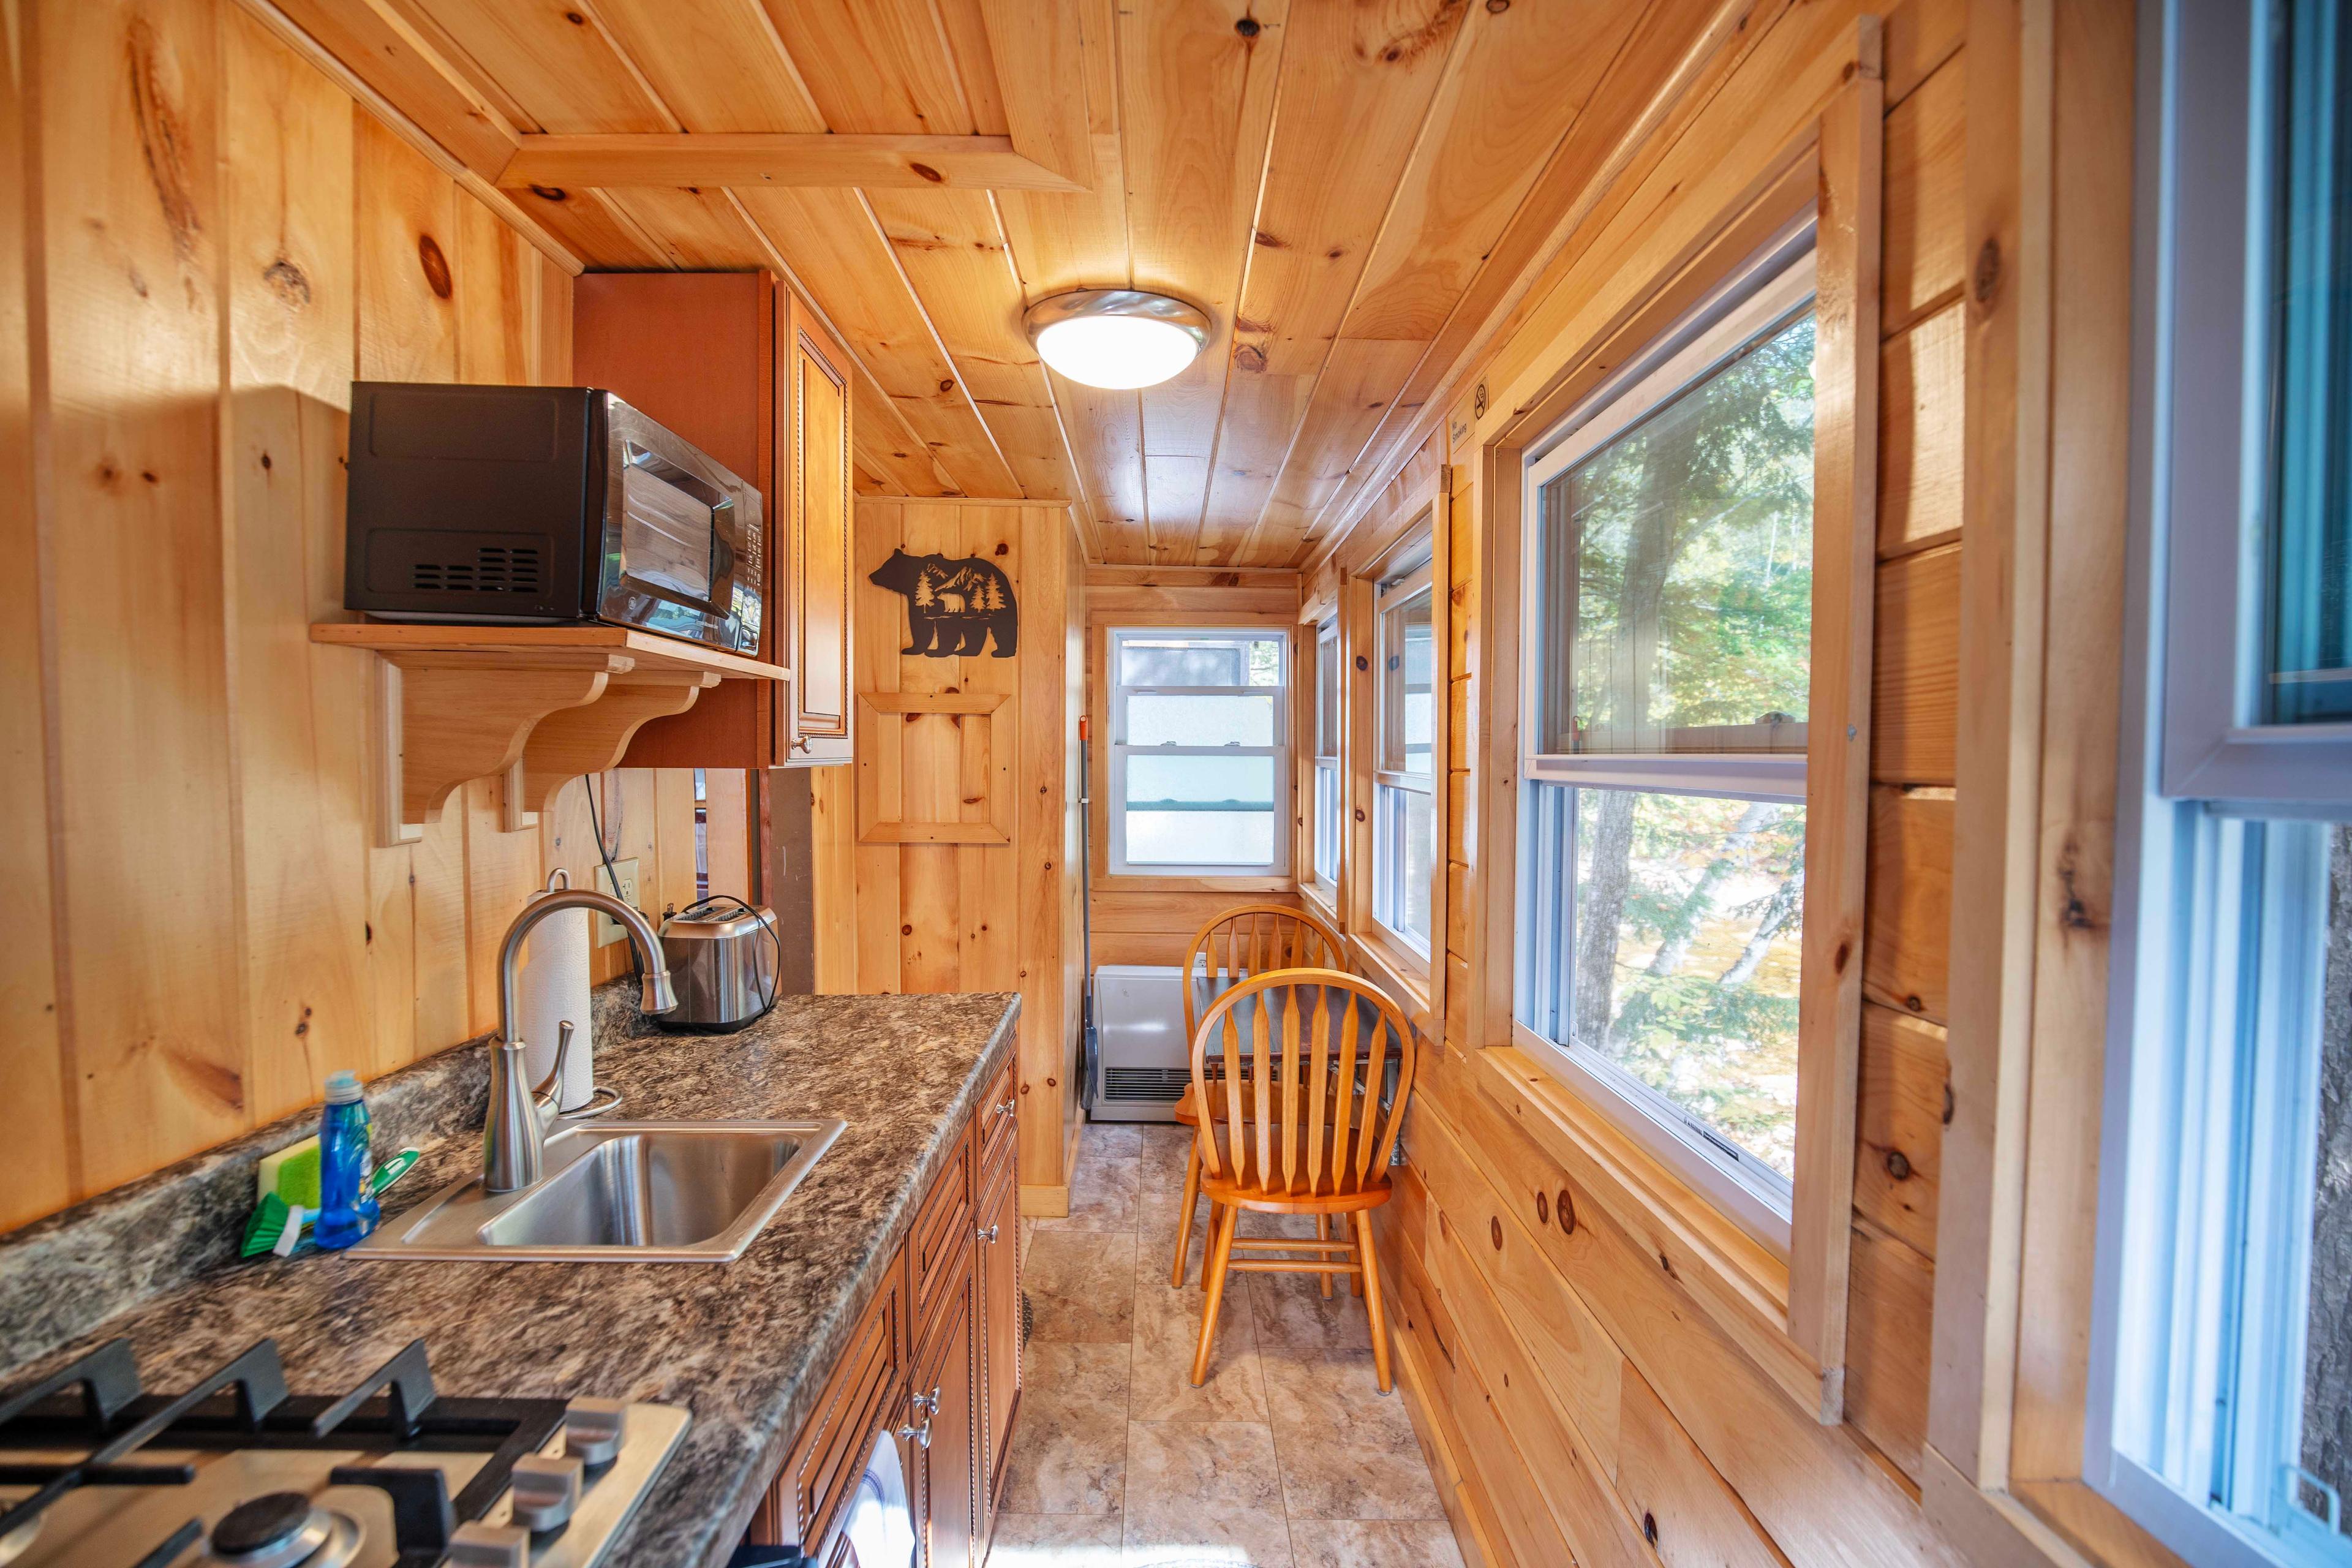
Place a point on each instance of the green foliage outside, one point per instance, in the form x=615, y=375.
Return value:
x=1686, y=544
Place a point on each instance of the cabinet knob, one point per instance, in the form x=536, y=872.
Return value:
x=989, y=1235
x=929, y=1404
x=1007, y=1108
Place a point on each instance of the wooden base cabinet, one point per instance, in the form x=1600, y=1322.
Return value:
x=935, y=1360
x=946, y=1477
x=996, y=1273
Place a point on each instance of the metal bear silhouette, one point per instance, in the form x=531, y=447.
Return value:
x=952, y=606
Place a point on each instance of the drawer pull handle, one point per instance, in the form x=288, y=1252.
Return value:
x=988, y=1235
x=1007, y=1108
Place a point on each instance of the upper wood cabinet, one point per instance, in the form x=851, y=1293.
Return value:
x=814, y=715
x=739, y=365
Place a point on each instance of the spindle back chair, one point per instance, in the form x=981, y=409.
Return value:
x=1319, y=1068
x=1232, y=946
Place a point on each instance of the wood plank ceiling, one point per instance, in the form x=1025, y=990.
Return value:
x=1351, y=189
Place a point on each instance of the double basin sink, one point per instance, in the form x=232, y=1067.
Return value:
x=620, y=1192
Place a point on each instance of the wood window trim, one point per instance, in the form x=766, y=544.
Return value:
x=2047, y=425
x=1791, y=1321
x=1322, y=897
x=1099, y=625
x=1418, y=983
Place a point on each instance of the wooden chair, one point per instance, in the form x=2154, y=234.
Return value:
x=1235, y=945
x=1295, y=1125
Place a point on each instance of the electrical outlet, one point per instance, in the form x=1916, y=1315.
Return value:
x=608, y=931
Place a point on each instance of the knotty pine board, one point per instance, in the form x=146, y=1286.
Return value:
x=227, y=240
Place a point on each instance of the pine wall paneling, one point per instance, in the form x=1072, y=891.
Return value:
x=1704, y=1456
x=204, y=241
x=944, y=854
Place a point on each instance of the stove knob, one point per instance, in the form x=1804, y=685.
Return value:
x=592, y=1430
x=489, y=1546
x=546, y=1491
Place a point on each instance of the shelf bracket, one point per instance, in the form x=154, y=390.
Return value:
x=442, y=719
x=588, y=740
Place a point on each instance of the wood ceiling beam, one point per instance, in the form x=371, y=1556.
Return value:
x=751, y=160
x=1038, y=46
x=372, y=40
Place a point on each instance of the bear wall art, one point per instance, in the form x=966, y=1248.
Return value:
x=952, y=606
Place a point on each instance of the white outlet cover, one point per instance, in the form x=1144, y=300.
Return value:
x=608, y=929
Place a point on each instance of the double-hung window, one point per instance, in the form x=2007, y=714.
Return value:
x=2220, y=1411
x=1403, y=774
x=1200, y=756
x=1666, y=649
x=1327, y=826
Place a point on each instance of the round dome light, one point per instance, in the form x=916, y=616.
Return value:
x=1116, y=338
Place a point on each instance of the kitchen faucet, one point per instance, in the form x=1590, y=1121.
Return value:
x=514, y=1135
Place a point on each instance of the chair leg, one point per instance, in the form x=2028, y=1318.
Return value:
x=1209, y=1240
x=1323, y=1233
x=1212, y=1280
x=1372, y=1308
x=1184, y=1220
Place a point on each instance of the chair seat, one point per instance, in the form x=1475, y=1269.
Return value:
x=1242, y=1189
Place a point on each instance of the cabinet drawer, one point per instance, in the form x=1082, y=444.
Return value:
x=861, y=1397
x=938, y=1250
x=996, y=1119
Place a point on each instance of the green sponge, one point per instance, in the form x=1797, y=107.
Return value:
x=292, y=1174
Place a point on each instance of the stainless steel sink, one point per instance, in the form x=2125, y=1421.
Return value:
x=620, y=1192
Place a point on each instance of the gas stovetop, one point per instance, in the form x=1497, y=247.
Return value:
x=237, y=1473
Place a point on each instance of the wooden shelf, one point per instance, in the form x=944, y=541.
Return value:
x=545, y=645
x=533, y=705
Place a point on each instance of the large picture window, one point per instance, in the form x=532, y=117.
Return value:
x=1666, y=664
x=1199, y=752
x=1403, y=777
x=2220, y=1411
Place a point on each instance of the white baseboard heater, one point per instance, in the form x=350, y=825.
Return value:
x=1142, y=1066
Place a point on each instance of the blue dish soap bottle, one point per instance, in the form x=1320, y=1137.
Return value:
x=347, y=1210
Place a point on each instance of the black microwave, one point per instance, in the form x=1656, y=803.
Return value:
x=543, y=505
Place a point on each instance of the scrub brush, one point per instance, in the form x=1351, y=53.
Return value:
x=278, y=1223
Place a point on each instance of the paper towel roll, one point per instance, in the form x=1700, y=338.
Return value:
x=554, y=987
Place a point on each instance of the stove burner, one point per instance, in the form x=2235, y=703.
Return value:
x=260, y=1524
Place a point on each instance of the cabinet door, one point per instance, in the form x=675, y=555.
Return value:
x=818, y=708
x=865, y=1394
x=947, y=1468
x=997, y=1269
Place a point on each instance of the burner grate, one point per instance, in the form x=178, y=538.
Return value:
x=96, y=1403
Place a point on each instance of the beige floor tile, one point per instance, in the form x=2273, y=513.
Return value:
x=1081, y=1286
x=1373, y=1543
x=1102, y=1193
x=1291, y=1309
x=1204, y=1492
x=1057, y=1541
x=1070, y=1457
x=1287, y=1455
x=1168, y=1332
x=1348, y=1451
x=1122, y=1140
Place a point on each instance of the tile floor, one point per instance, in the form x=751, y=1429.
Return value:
x=1288, y=1457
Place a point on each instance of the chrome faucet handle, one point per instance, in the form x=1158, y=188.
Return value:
x=548, y=1093
x=515, y=1131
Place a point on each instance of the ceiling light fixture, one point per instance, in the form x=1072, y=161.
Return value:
x=1116, y=338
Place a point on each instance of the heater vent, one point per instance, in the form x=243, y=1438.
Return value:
x=1165, y=1085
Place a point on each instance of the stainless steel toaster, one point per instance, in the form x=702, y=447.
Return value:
x=723, y=957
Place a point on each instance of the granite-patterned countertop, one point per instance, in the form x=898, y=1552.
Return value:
x=745, y=1346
